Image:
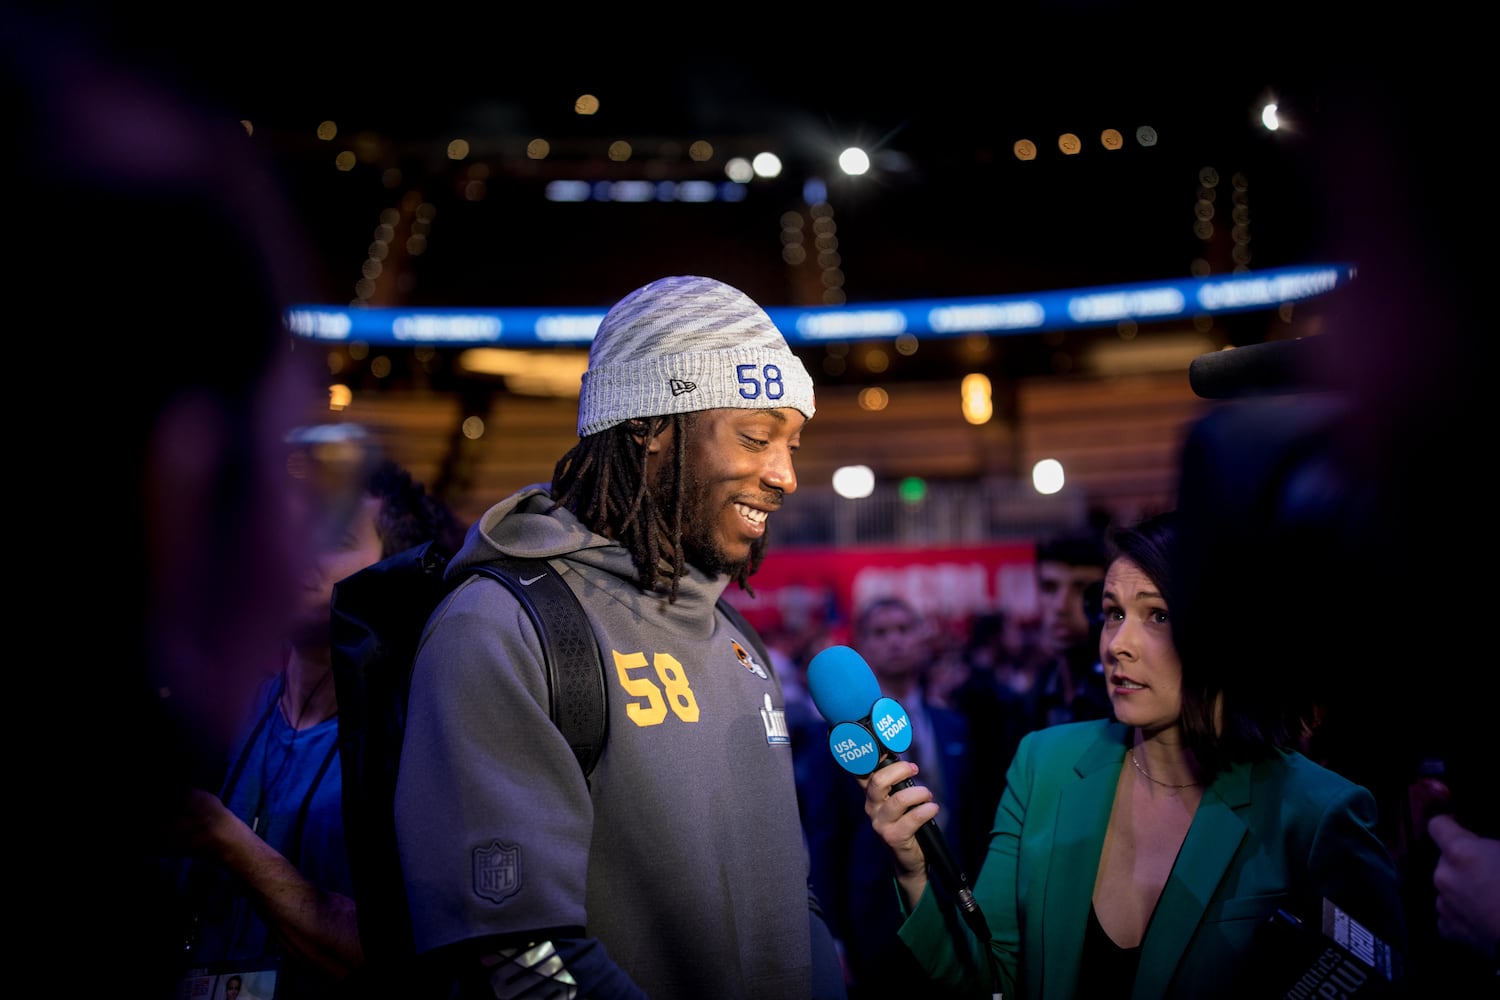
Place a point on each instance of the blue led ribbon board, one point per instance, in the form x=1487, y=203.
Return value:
x=1142, y=302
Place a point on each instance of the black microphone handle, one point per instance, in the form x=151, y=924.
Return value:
x=940, y=860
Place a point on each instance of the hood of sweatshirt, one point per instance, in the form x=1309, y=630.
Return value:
x=520, y=525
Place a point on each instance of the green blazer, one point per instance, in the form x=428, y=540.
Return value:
x=1278, y=833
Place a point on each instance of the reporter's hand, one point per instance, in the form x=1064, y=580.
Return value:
x=896, y=819
x=1467, y=879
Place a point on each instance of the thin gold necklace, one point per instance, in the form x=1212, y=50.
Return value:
x=1147, y=776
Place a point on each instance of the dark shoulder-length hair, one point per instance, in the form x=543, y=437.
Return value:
x=603, y=481
x=1229, y=715
x=409, y=513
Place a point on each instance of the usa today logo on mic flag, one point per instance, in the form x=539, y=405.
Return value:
x=858, y=749
x=867, y=727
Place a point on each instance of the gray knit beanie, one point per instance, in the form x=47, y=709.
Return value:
x=683, y=344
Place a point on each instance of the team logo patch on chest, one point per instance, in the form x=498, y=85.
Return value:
x=497, y=871
x=748, y=662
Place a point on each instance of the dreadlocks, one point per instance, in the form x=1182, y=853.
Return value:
x=603, y=480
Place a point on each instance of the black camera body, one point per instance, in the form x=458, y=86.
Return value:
x=1331, y=565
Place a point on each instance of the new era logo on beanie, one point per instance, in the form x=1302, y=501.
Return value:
x=688, y=343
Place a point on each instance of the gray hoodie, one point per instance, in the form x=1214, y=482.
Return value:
x=683, y=854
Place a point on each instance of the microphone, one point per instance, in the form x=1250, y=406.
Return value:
x=869, y=731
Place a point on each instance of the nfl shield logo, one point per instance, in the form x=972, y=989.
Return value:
x=497, y=871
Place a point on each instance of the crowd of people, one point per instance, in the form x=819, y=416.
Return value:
x=1138, y=800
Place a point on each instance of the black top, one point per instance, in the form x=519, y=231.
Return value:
x=1108, y=969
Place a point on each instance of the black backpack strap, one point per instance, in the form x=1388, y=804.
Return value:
x=575, y=666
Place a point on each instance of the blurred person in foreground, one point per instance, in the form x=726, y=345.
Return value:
x=1352, y=487
x=1145, y=855
x=158, y=254
x=677, y=868
x=269, y=884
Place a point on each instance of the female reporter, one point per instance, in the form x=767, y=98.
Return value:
x=1147, y=855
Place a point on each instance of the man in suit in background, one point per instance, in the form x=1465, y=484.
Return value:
x=851, y=868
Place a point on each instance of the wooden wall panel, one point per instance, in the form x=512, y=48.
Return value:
x=1117, y=436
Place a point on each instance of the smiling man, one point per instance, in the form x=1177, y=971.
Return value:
x=677, y=868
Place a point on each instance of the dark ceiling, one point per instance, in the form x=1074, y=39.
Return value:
x=948, y=209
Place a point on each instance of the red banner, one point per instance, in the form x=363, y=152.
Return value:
x=796, y=588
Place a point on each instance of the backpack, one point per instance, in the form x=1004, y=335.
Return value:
x=378, y=616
